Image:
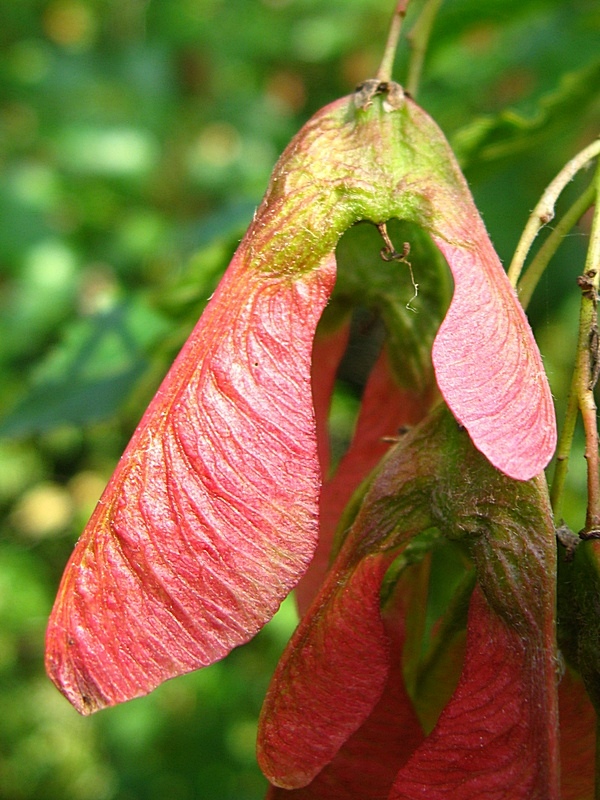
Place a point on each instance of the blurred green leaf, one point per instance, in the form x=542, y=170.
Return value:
x=89, y=375
x=502, y=135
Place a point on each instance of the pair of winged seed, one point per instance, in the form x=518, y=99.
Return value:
x=211, y=516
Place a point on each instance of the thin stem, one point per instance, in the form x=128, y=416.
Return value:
x=583, y=389
x=384, y=73
x=581, y=395
x=581, y=398
x=590, y=426
x=587, y=402
x=592, y=261
x=542, y=258
x=544, y=210
x=419, y=39
x=563, y=451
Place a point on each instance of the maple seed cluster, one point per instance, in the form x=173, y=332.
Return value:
x=224, y=500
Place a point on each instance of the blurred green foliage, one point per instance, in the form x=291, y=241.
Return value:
x=136, y=139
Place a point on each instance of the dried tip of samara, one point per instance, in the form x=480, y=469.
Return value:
x=211, y=515
x=392, y=94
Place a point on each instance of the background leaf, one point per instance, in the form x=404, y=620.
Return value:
x=89, y=374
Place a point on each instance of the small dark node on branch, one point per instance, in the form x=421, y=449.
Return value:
x=569, y=540
x=589, y=533
x=366, y=91
x=402, y=431
x=586, y=284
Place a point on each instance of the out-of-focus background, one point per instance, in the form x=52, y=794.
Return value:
x=136, y=139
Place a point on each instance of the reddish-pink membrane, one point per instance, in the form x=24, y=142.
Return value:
x=497, y=736
x=491, y=376
x=367, y=763
x=338, y=660
x=328, y=351
x=384, y=410
x=211, y=514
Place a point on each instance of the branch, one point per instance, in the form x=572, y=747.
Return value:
x=544, y=211
x=384, y=73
